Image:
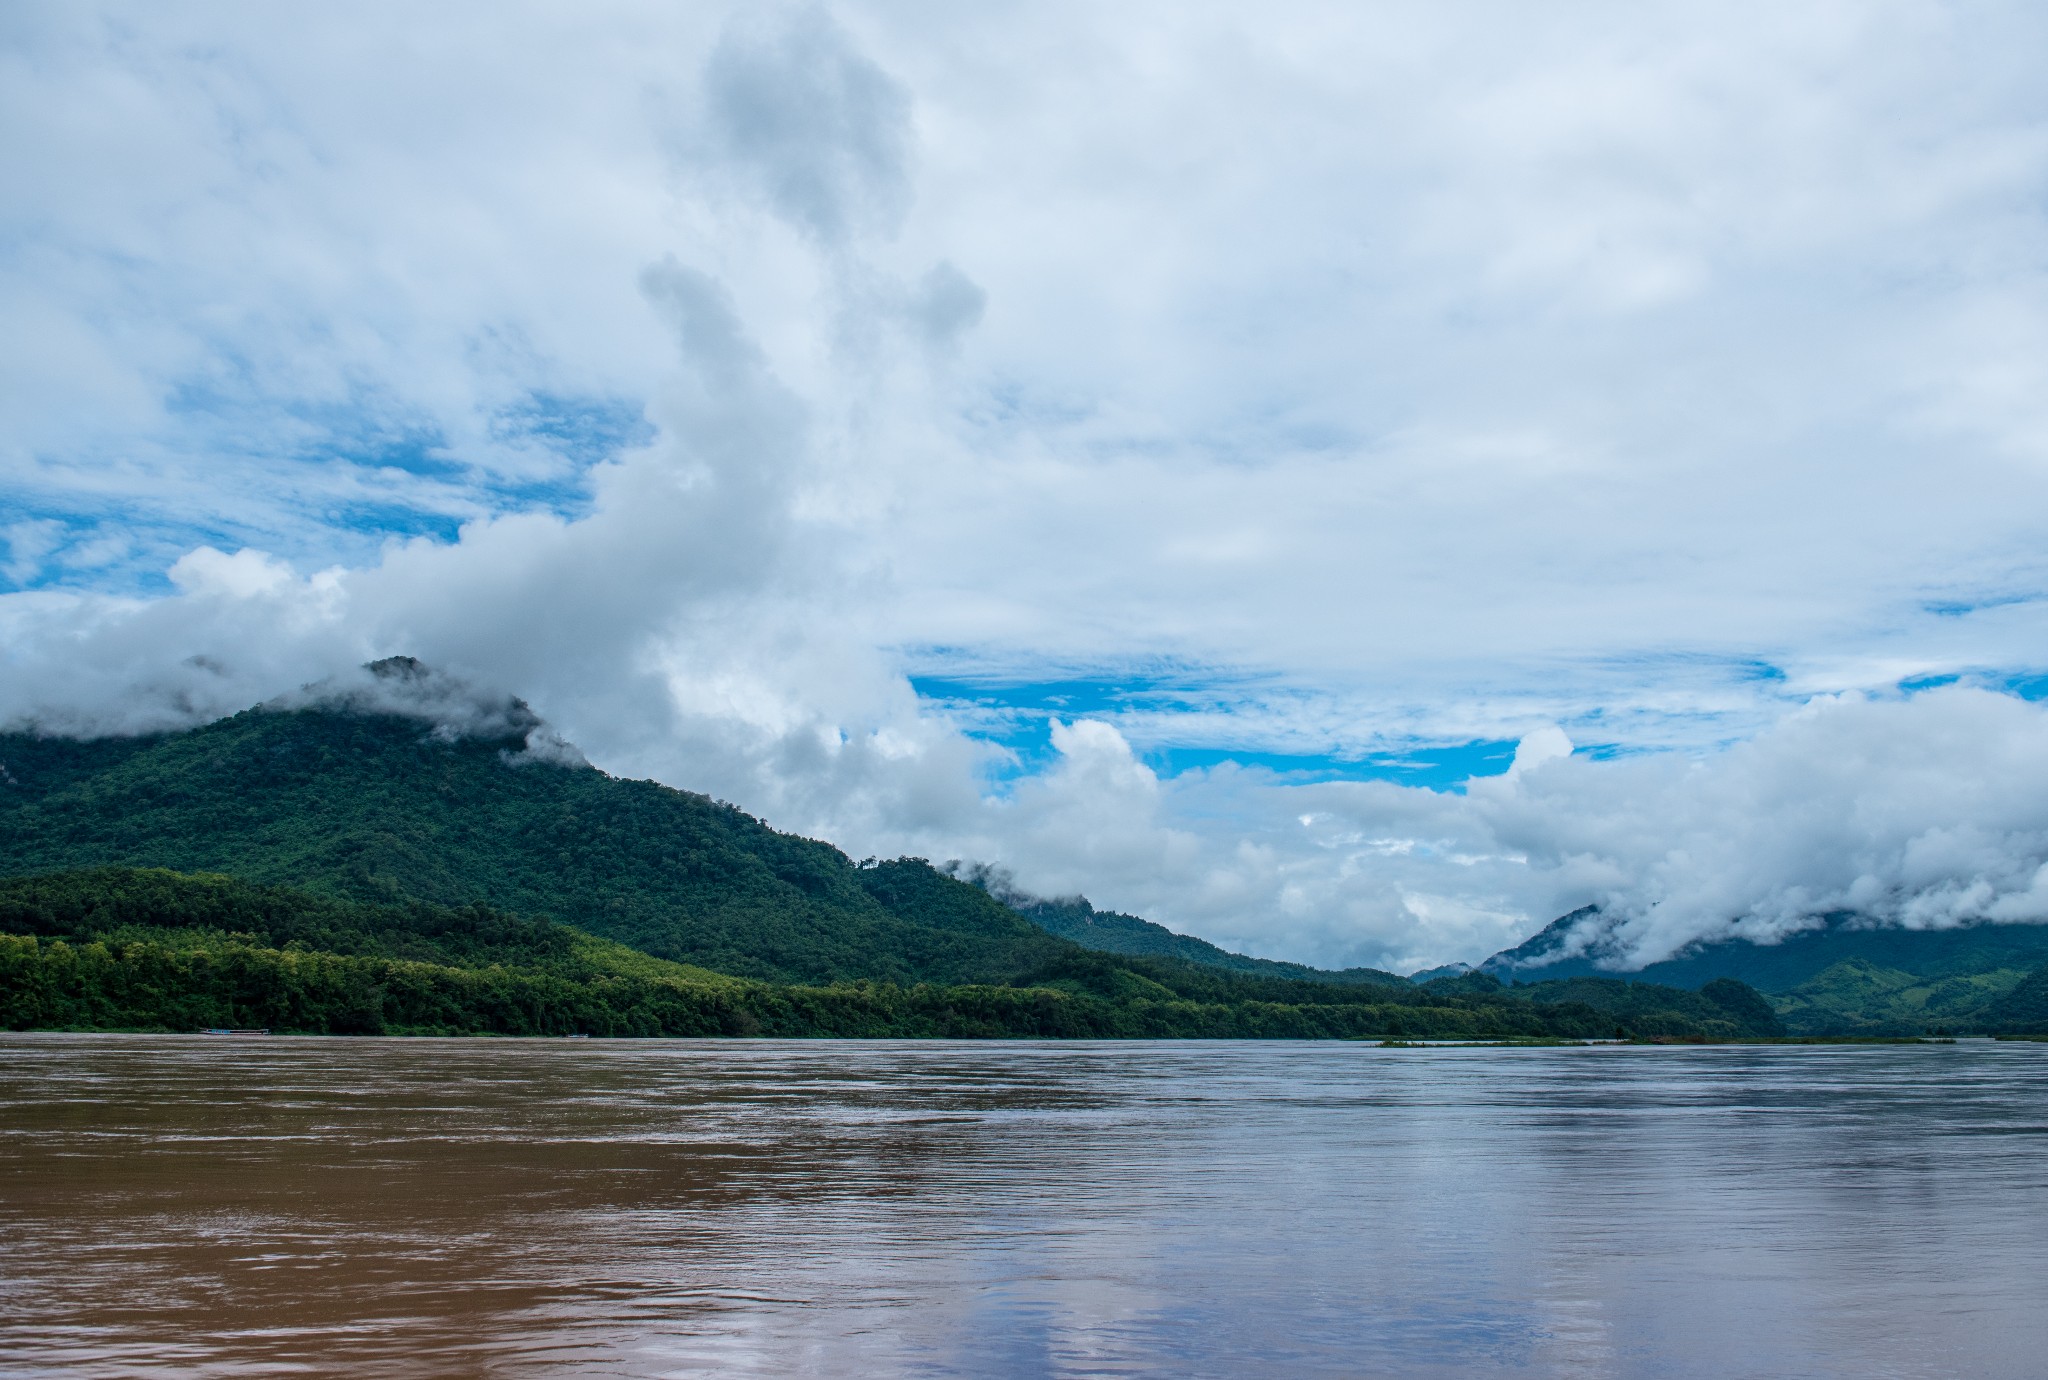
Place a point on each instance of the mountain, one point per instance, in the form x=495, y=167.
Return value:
x=382, y=807
x=378, y=805
x=1846, y=976
x=1113, y=932
x=406, y=855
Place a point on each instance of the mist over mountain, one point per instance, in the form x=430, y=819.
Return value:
x=1072, y=917
x=399, y=784
x=386, y=782
x=400, y=852
x=1841, y=973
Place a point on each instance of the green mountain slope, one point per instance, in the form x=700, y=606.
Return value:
x=1646, y=1008
x=1856, y=995
x=2023, y=1010
x=378, y=807
x=117, y=905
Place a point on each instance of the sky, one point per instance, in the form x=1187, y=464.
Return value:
x=1352, y=482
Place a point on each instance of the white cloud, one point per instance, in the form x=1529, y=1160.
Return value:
x=30, y=543
x=1924, y=811
x=1546, y=744
x=244, y=575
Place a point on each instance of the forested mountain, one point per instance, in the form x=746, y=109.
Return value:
x=379, y=808
x=1846, y=976
x=485, y=839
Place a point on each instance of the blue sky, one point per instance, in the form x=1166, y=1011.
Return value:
x=1018, y=718
x=1223, y=458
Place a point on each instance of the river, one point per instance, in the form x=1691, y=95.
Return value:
x=235, y=1206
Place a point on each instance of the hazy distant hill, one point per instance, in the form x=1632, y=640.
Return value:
x=1114, y=932
x=1847, y=976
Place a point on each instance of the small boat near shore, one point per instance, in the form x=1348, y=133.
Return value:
x=223, y=1030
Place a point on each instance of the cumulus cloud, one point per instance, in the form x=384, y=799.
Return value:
x=1546, y=744
x=1921, y=811
x=526, y=599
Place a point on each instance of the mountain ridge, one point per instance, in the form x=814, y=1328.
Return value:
x=450, y=721
x=374, y=807
x=1846, y=974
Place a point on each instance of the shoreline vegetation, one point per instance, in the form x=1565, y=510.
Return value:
x=151, y=949
x=1363, y=1041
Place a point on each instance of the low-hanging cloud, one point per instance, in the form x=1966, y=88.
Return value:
x=452, y=708
x=1923, y=811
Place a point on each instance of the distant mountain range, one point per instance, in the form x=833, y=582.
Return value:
x=1108, y=931
x=1846, y=975
x=438, y=839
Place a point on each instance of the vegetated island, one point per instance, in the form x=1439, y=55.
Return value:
x=353, y=864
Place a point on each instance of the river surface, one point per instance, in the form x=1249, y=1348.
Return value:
x=364, y=1208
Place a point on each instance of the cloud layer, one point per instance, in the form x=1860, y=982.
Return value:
x=1388, y=379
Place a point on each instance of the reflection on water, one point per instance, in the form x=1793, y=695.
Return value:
x=427, y=1207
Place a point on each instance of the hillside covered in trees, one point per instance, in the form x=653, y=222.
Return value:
x=144, y=949
x=379, y=808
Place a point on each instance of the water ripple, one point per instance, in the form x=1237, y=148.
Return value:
x=674, y=1208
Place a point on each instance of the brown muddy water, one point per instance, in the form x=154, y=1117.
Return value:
x=217, y=1207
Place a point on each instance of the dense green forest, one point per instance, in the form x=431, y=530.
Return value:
x=149, y=949
x=377, y=808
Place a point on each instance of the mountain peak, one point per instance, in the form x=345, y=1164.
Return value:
x=456, y=708
x=1575, y=935
x=407, y=669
